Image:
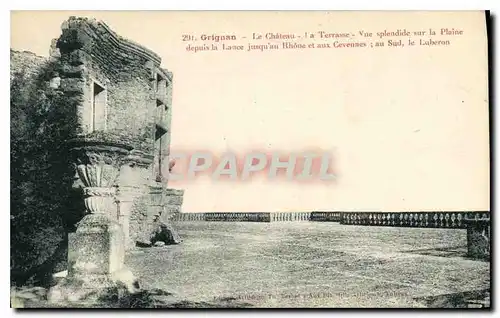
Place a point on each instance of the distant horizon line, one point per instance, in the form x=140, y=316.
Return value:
x=338, y=211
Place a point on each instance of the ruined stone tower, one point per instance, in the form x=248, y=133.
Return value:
x=117, y=91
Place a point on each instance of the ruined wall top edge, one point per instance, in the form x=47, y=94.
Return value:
x=102, y=30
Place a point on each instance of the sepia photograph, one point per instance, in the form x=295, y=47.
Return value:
x=250, y=159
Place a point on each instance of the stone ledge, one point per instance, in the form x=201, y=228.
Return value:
x=139, y=158
x=243, y=216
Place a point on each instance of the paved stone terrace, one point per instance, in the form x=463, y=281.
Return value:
x=308, y=264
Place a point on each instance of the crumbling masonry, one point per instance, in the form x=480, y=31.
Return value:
x=121, y=99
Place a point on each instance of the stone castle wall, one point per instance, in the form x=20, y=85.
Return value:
x=26, y=64
x=90, y=52
x=89, y=56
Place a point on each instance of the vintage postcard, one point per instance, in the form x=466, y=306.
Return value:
x=238, y=159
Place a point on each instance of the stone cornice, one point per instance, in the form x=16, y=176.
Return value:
x=84, y=142
x=129, y=45
x=86, y=154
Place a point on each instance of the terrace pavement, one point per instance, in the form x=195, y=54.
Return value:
x=310, y=264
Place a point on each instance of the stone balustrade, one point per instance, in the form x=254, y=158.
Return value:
x=96, y=249
x=453, y=220
x=256, y=216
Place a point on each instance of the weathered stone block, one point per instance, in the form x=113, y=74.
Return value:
x=72, y=71
x=77, y=57
x=174, y=200
x=72, y=85
x=96, y=248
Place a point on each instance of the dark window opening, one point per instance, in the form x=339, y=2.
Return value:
x=160, y=132
x=99, y=97
x=161, y=90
